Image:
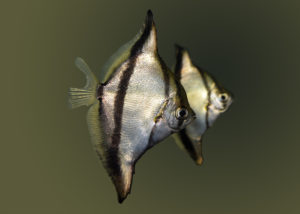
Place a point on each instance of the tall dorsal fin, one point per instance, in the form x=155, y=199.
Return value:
x=183, y=61
x=148, y=40
x=144, y=41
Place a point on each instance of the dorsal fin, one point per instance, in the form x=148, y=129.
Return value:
x=147, y=41
x=144, y=41
x=183, y=61
x=119, y=57
x=150, y=44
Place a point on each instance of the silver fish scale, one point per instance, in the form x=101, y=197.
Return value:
x=144, y=97
x=197, y=95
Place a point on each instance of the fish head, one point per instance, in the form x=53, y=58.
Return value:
x=206, y=95
x=178, y=113
x=220, y=99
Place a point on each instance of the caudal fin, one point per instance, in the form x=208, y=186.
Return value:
x=87, y=95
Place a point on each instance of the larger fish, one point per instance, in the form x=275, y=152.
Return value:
x=206, y=97
x=139, y=104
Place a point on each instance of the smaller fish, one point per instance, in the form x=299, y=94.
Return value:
x=206, y=97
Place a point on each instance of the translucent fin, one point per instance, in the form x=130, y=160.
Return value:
x=123, y=52
x=87, y=95
x=118, y=57
x=95, y=128
x=121, y=181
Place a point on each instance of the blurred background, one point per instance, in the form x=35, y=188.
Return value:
x=251, y=154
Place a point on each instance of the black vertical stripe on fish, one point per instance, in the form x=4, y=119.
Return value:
x=113, y=160
x=166, y=76
x=100, y=110
x=112, y=75
x=207, y=110
x=208, y=96
x=178, y=65
x=100, y=92
x=178, y=68
x=180, y=92
x=137, y=47
x=188, y=145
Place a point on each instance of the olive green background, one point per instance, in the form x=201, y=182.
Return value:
x=251, y=154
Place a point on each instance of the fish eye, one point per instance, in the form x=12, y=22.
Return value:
x=181, y=113
x=223, y=97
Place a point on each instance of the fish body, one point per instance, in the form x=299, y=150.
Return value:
x=139, y=104
x=206, y=97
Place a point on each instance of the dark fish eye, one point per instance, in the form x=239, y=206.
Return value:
x=223, y=97
x=182, y=113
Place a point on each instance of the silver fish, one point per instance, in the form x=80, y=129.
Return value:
x=139, y=104
x=206, y=97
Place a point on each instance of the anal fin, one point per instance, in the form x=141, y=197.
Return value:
x=192, y=146
x=123, y=181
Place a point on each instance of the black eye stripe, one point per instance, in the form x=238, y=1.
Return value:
x=182, y=112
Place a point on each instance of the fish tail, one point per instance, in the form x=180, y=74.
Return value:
x=87, y=95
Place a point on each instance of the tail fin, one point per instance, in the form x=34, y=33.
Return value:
x=87, y=95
